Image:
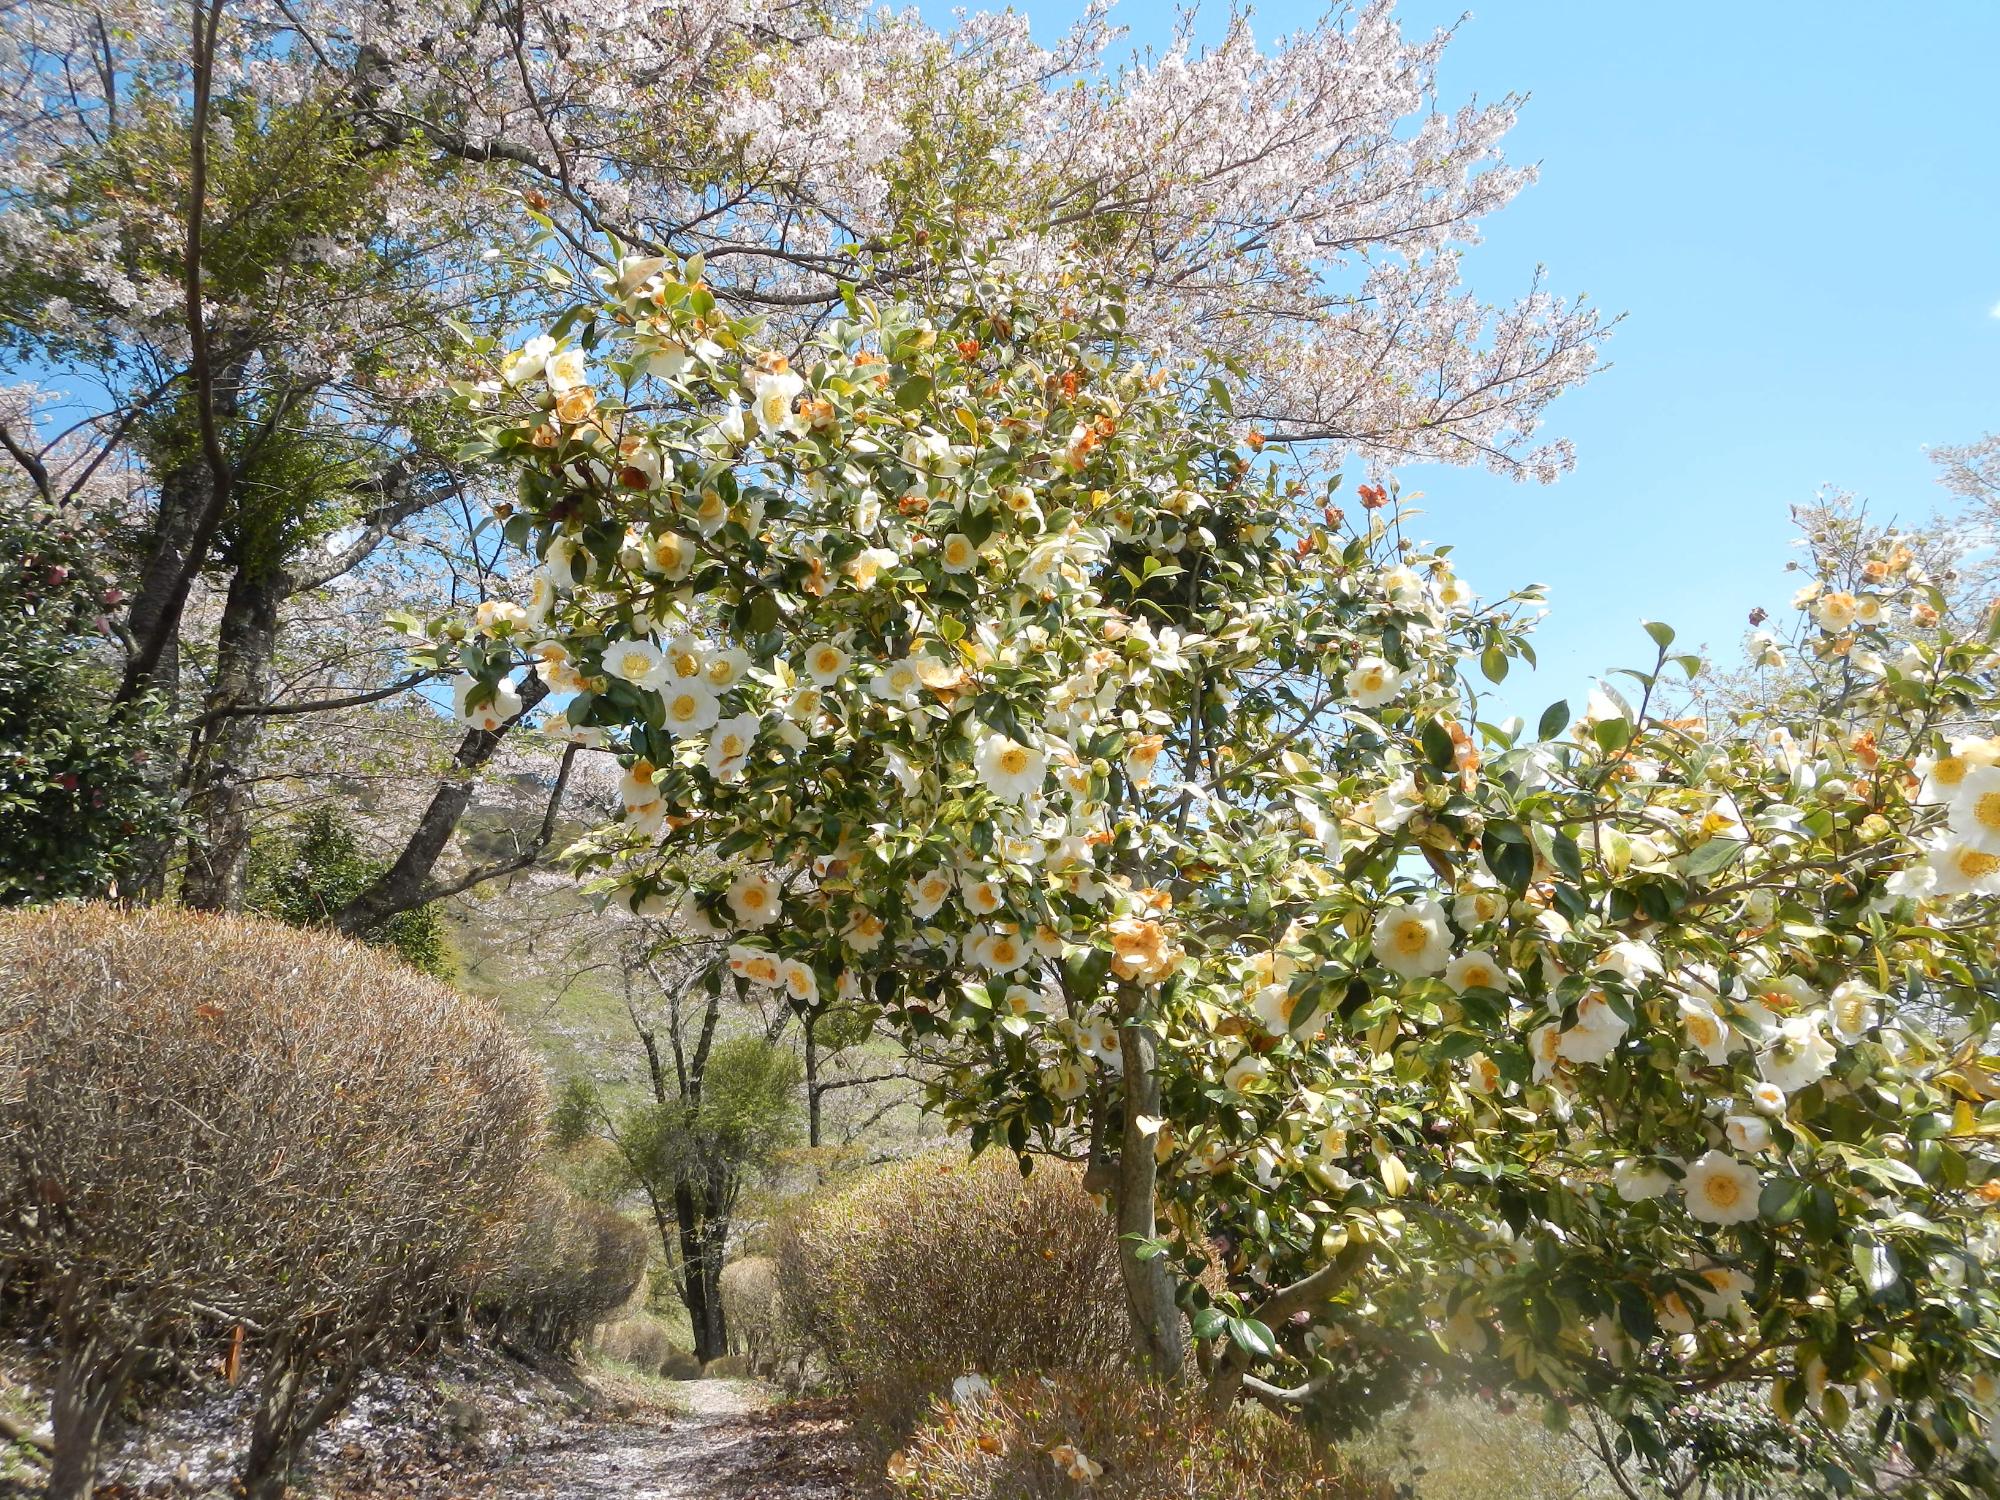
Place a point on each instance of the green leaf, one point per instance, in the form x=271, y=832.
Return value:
x=1783, y=1200
x=1612, y=734
x=1208, y=1322
x=913, y=392
x=1714, y=856
x=1880, y=1269
x=1493, y=662
x=1661, y=632
x=1249, y=1334
x=1555, y=719
x=1438, y=747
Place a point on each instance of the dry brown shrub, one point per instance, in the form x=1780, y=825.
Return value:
x=1153, y=1442
x=643, y=1342
x=750, y=1307
x=211, y=1124
x=937, y=1267
x=571, y=1265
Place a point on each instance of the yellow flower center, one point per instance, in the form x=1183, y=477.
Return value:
x=1974, y=865
x=684, y=706
x=634, y=663
x=1478, y=977
x=1003, y=950
x=1986, y=811
x=687, y=664
x=1703, y=1031
x=1949, y=771
x=1852, y=1013
x=1723, y=1190
x=753, y=896
x=1411, y=937
x=827, y=662
x=1013, y=760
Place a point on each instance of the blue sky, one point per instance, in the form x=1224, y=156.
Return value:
x=1797, y=207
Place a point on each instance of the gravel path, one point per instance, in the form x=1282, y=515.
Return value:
x=728, y=1443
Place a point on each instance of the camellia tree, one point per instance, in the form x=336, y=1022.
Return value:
x=981, y=666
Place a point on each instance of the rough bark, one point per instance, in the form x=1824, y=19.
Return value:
x=221, y=763
x=90, y=1378
x=1159, y=1334
x=407, y=883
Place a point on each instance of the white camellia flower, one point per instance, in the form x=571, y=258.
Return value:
x=1545, y=1047
x=490, y=715
x=1597, y=1032
x=1940, y=776
x=1372, y=682
x=983, y=897
x=753, y=898
x=724, y=669
x=1799, y=1057
x=694, y=917
x=1413, y=941
x=637, y=662
x=757, y=965
x=497, y=617
x=566, y=371
x=772, y=393
x=868, y=564
x=1852, y=1011
x=1002, y=952
x=1631, y=961
x=636, y=788
x=1767, y=1098
x=669, y=554
x=729, y=744
x=1952, y=868
x=1274, y=1006
x=528, y=361
x=825, y=662
x=1721, y=1190
x=1011, y=771
x=957, y=554
x=1706, y=1031
x=691, y=707
x=898, y=683
x=1142, y=754
x=800, y=984
x=1635, y=1182
x=1245, y=1071
x=1835, y=610
x=1747, y=1133
x=1478, y=905
x=1476, y=969
x=927, y=893
x=1974, y=809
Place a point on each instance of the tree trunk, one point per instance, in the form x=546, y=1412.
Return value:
x=90, y=1378
x=157, y=598
x=701, y=1274
x=405, y=885
x=1159, y=1335
x=813, y=1095
x=221, y=760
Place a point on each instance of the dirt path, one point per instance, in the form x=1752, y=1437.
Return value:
x=729, y=1442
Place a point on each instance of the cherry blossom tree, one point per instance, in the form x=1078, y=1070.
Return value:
x=982, y=668
x=237, y=236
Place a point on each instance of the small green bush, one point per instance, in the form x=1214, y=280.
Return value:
x=84, y=798
x=641, y=1341
x=726, y=1367
x=307, y=875
x=937, y=1267
x=1117, y=1437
